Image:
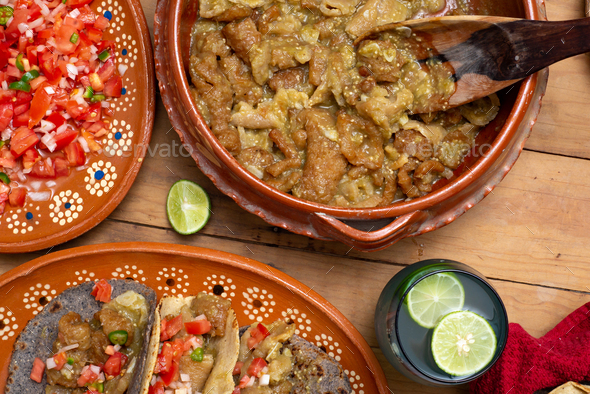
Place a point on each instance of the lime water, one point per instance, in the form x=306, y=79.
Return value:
x=415, y=340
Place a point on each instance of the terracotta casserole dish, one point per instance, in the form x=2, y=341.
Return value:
x=363, y=228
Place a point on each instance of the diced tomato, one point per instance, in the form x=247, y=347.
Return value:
x=94, y=34
x=23, y=97
x=165, y=357
x=95, y=127
x=112, y=88
x=178, y=346
x=244, y=381
x=1, y=32
x=17, y=197
x=104, y=286
x=7, y=160
x=84, y=80
x=32, y=56
x=22, y=139
x=114, y=364
x=4, y=55
x=158, y=388
x=21, y=120
x=43, y=169
x=198, y=327
x=256, y=366
x=60, y=98
x=237, y=390
x=60, y=360
x=21, y=108
x=6, y=113
x=238, y=368
x=76, y=110
x=171, y=328
x=87, y=15
x=87, y=376
x=56, y=119
x=75, y=154
x=107, y=70
x=34, y=11
x=62, y=39
x=77, y=3
x=12, y=71
x=101, y=23
x=257, y=335
x=30, y=157
x=65, y=138
x=61, y=166
x=39, y=105
x=22, y=43
x=170, y=376
x=38, y=369
x=93, y=114
x=92, y=144
x=95, y=81
x=47, y=33
x=7, y=95
x=19, y=16
x=75, y=22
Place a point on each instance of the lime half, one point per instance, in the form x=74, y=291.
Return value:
x=433, y=297
x=188, y=207
x=463, y=343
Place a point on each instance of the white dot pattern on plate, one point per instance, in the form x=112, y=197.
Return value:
x=174, y=281
x=7, y=324
x=119, y=139
x=214, y=282
x=259, y=304
x=21, y=220
x=301, y=320
x=38, y=296
x=100, y=177
x=66, y=207
x=129, y=271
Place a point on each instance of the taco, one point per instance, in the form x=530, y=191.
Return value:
x=274, y=360
x=194, y=346
x=92, y=338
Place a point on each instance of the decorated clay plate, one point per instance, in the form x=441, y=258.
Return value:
x=258, y=293
x=66, y=207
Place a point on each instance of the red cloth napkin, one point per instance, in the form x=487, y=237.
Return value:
x=529, y=364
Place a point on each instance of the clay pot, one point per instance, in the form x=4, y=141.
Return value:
x=367, y=228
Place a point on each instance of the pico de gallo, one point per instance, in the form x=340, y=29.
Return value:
x=57, y=77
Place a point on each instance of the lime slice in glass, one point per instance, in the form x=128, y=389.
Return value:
x=463, y=343
x=433, y=297
x=188, y=207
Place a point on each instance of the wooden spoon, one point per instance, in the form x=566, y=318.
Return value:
x=490, y=53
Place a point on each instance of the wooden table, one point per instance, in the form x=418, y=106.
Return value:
x=531, y=237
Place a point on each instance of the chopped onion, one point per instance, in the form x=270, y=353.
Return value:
x=122, y=69
x=50, y=183
x=80, y=68
x=41, y=48
x=21, y=175
x=73, y=60
x=9, y=21
x=180, y=391
x=63, y=83
x=4, y=2
x=264, y=380
x=75, y=13
x=201, y=317
x=251, y=382
x=44, y=9
x=6, y=134
x=110, y=350
x=66, y=348
x=58, y=9
x=72, y=69
x=66, y=116
x=184, y=377
x=101, y=377
x=95, y=369
x=84, y=144
x=51, y=363
x=105, y=104
x=80, y=101
x=29, y=34
x=153, y=382
x=49, y=90
x=61, y=128
x=46, y=126
x=49, y=141
x=4, y=85
x=93, y=49
x=39, y=196
x=23, y=27
x=168, y=392
x=117, y=348
x=36, y=23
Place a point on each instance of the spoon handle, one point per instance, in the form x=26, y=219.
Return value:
x=538, y=44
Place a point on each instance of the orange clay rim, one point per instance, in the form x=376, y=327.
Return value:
x=221, y=258
x=507, y=132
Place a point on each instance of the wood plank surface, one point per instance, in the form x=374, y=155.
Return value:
x=530, y=236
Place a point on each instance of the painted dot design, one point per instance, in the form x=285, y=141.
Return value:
x=81, y=277
x=8, y=325
x=38, y=296
x=119, y=139
x=302, y=321
x=21, y=220
x=259, y=304
x=100, y=177
x=220, y=285
x=66, y=207
x=129, y=272
x=173, y=281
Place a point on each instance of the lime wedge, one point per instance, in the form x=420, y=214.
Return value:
x=463, y=343
x=188, y=207
x=433, y=297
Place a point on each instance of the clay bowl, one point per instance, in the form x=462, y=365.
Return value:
x=77, y=203
x=258, y=293
x=365, y=229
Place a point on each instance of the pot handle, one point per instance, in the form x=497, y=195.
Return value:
x=401, y=227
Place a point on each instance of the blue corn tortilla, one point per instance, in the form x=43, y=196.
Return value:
x=38, y=336
x=314, y=371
